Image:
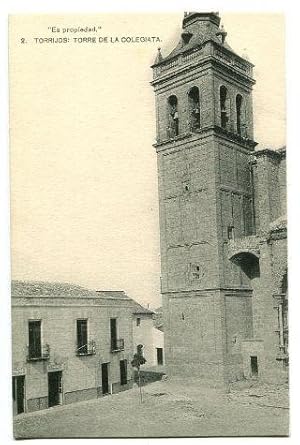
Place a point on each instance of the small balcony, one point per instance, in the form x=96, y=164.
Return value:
x=117, y=345
x=38, y=353
x=88, y=349
x=245, y=244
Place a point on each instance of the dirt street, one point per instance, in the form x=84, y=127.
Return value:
x=170, y=408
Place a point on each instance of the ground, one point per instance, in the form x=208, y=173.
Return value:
x=169, y=408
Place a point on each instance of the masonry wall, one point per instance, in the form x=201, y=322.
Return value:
x=282, y=186
x=269, y=177
x=275, y=249
x=193, y=341
x=188, y=217
x=235, y=206
x=270, y=205
x=194, y=181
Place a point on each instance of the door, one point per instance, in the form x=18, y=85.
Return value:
x=18, y=389
x=160, y=356
x=123, y=372
x=104, y=372
x=54, y=388
x=254, y=366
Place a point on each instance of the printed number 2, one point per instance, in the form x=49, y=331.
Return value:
x=22, y=40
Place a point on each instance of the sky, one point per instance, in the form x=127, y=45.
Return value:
x=82, y=123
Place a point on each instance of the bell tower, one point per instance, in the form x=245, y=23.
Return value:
x=204, y=143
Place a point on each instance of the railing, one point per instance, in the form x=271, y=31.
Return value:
x=233, y=61
x=87, y=349
x=168, y=65
x=248, y=243
x=117, y=345
x=43, y=353
x=190, y=56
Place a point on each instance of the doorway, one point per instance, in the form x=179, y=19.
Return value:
x=160, y=356
x=54, y=388
x=18, y=390
x=254, y=366
x=123, y=372
x=104, y=373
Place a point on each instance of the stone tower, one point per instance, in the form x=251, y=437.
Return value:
x=204, y=148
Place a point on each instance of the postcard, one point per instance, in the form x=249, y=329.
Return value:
x=148, y=225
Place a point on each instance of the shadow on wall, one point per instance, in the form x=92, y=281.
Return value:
x=249, y=263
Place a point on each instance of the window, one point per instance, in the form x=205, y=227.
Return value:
x=194, y=108
x=160, y=356
x=173, y=120
x=123, y=372
x=138, y=321
x=239, y=105
x=82, y=336
x=117, y=344
x=113, y=334
x=248, y=216
x=230, y=231
x=224, y=106
x=35, y=345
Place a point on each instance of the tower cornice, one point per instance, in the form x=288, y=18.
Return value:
x=203, y=133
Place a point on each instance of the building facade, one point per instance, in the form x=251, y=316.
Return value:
x=69, y=344
x=222, y=207
x=146, y=333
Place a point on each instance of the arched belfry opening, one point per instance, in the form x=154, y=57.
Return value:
x=194, y=108
x=224, y=107
x=173, y=119
x=239, y=114
x=186, y=37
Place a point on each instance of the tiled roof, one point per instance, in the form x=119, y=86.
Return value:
x=67, y=290
x=47, y=289
x=195, y=42
x=139, y=309
x=57, y=289
x=198, y=39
